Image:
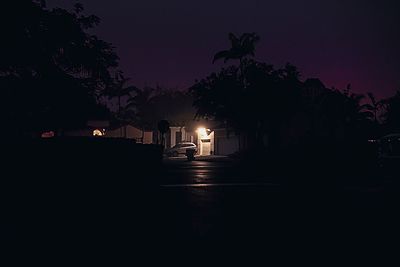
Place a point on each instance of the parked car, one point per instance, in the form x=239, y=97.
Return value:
x=180, y=149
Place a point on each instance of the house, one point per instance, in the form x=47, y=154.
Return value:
x=194, y=132
x=93, y=128
x=104, y=128
x=130, y=132
x=210, y=138
x=225, y=142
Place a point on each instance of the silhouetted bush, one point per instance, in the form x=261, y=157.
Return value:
x=58, y=191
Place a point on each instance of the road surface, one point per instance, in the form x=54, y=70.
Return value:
x=203, y=200
x=198, y=205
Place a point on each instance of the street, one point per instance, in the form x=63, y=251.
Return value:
x=212, y=200
x=203, y=200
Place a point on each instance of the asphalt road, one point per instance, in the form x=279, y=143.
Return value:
x=200, y=205
x=205, y=200
x=218, y=172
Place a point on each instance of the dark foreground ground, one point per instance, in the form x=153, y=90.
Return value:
x=192, y=207
x=221, y=200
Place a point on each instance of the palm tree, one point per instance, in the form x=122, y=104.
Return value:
x=120, y=90
x=375, y=106
x=141, y=103
x=141, y=98
x=360, y=111
x=391, y=114
x=344, y=111
x=240, y=48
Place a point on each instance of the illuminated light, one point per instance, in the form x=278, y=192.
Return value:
x=202, y=132
x=47, y=134
x=97, y=132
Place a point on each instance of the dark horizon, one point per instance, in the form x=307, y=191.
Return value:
x=172, y=44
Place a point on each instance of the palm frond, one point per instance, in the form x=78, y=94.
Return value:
x=368, y=107
x=222, y=54
x=372, y=98
x=235, y=42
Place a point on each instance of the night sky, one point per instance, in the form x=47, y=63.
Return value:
x=171, y=43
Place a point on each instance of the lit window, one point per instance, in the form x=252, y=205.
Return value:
x=48, y=134
x=98, y=132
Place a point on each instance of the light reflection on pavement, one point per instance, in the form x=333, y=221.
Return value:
x=218, y=199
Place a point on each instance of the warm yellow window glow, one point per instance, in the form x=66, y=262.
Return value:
x=48, y=134
x=97, y=132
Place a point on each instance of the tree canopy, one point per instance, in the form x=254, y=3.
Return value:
x=52, y=69
x=240, y=47
x=154, y=104
x=258, y=99
x=392, y=113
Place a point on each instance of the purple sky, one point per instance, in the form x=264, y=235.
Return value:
x=171, y=43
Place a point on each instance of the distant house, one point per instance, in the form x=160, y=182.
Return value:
x=215, y=138
x=93, y=128
x=130, y=132
x=226, y=142
x=220, y=140
x=103, y=128
x=209, y=136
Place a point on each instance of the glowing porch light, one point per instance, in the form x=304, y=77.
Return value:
x=97, y=132
x=202, y=132
x=49, y=134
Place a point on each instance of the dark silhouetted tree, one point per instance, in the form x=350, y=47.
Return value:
x=163, y=128
x=141, y=103
x=344, y=114
x=270, y=98
x=119, y=90
x=52, y=70
x=391, y=114
x=240, y=47
x=374, y=106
